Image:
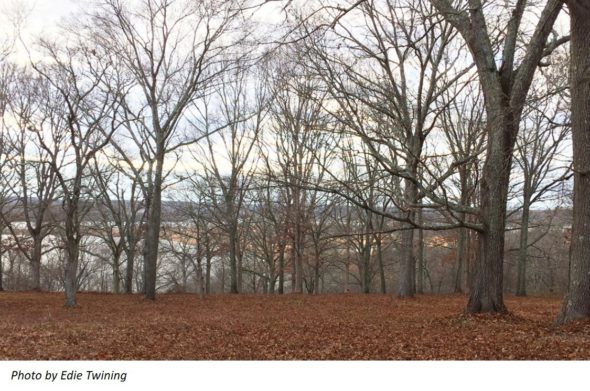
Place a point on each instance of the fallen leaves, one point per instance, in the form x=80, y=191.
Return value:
x=335, y=327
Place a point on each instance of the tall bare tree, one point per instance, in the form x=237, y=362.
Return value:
x=505, y=69
x=172, y=50
x=84, y=118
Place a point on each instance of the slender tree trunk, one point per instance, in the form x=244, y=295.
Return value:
x=130, y=254
x=233, y=261
x=1, y=265
x=378, y=243
x=316, y=271
x=281, y=289
x=208, y=257
x=524, y=242
x=577, y=301
x=152, y=237
x=420, y=256
x=407, y=280
x=36, y=254
x=366, y=265
x=462, y=240
x=461, y=256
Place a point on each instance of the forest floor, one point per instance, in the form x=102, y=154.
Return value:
x=36, y=326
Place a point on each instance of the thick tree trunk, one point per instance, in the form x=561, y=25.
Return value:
x=152, y=236
x=116, y=274
x=577, y=301
x=71, y=272
x=486, y=293
x=524, y=242
x=36, y=254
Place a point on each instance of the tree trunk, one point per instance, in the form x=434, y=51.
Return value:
x=129, y=271
x=36, y=263
x=233, y=260
x=71, y=272
x=381, y=265
x=365, y=268
x=407, y=284
x=281, y=289
x=420, y=256
x=524, y=242
x=152, y=237
x=117, y=274
x=461, y=255
x=1, y=265
x=208, y=257
x=486, y=293
x=577, y=301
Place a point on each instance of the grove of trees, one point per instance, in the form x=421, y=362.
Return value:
x=391, y=146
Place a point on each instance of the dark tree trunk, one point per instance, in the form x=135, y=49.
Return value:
x=281, y=288
x=1, y=268
x=365, y=265
x=524, y=242
x=152, y=236
x=486, y=293
x=461, y=255
x=208, y=257
x=577, y=301
x=233, y=262
x=407, y=284
x=420, y=256
x=36, y=254
x=71, y=272
x=378, y=243
x=130, y=254
x=117, y=273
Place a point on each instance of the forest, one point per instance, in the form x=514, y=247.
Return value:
x=338, y=159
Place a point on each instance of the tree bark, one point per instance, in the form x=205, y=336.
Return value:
x=130, y=254
x=378, y=244
x=505, y=89
x=524, y=242
x=486, y=294
x=577, y=301
x=407, y=284
x=420, y=256
x=36, y=263
x=152, y=237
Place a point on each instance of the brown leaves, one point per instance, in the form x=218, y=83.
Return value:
x=182, y=326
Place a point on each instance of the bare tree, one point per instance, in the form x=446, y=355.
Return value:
x=34, y=193
x=172, y=50
x=84, y=118
x=505, y=74
x=386, y=77
x=229, y=159
x=539, y=157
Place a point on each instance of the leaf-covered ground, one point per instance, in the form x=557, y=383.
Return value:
x=37, y=326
